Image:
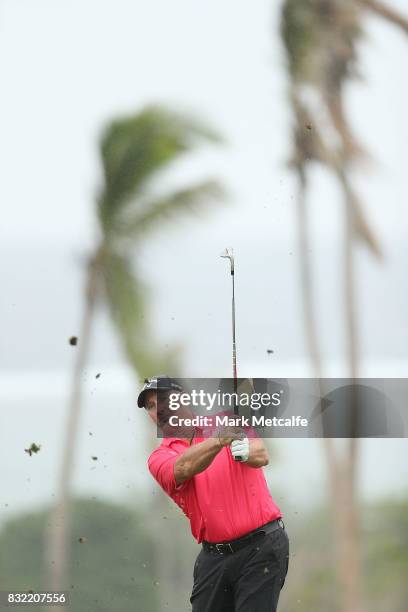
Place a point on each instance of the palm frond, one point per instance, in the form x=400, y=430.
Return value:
x=189, y=199
x=320, y=38
x=387, y=12
x=309, y=144
x=126, y=299
x=299, y=34
x=361, y=226
x=135, y=148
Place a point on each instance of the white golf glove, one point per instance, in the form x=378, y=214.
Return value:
x=240, y=448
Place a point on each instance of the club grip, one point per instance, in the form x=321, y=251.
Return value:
x=239, y=457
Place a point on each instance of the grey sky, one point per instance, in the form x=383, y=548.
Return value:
x=67, y=67
x=89, y=62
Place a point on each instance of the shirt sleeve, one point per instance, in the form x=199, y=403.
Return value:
x=161, y=466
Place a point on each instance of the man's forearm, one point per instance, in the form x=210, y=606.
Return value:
x=196, y=459
x=258, y=454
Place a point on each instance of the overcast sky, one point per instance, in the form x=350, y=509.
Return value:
x=68, y=67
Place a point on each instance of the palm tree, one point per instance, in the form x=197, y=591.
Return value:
x=320, y=38
x=134, y=150
x=386, y=12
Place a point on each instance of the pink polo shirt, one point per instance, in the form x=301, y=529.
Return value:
x=225, y=501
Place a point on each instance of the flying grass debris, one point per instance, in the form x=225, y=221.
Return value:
x=34, y=448
x=73, y=340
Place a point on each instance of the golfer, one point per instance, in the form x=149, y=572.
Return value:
x=245, y=549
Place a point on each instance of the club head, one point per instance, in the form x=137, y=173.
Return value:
x=229, y=254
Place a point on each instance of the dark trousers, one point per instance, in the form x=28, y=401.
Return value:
x=249, y=580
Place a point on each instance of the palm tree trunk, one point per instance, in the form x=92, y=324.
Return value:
x=57, y=546
x=350, y=298
x=336, y=475
x=165, y=541
x=348, y=537
x=345, y=522
x=343, y=469
x=340, y=476
x=387, y=13
x=305, y=274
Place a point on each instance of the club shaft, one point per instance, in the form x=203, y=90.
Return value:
x=234, y=347
x=234, y=352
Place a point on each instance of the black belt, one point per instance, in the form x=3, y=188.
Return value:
x=234, y=545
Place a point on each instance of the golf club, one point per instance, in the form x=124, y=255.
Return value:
x=229, y=254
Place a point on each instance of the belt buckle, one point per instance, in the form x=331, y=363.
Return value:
x=218, y=546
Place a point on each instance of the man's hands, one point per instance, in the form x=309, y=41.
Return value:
x=240, y=449
x=226, y=436
x=251, y=451
x=236, y=440
x=199, y=456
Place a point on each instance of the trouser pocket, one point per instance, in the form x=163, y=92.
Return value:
x=286, y=561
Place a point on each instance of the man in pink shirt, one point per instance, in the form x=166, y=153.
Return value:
x=245, y=549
